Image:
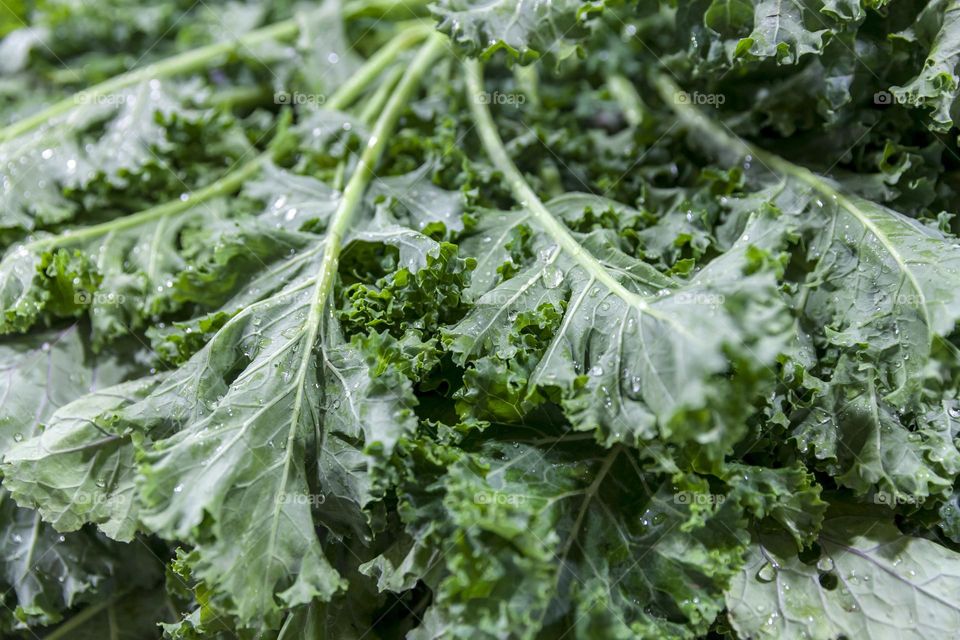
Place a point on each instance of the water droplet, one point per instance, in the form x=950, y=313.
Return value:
x=767, y=573
x=552, y=277
x=547, y=253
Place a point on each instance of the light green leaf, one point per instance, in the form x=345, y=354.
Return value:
x=870, y=581
x=781, y=30
x=525, y=29
x=936, y=85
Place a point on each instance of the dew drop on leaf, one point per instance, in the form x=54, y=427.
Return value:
x=767, y=573
x=552, y=277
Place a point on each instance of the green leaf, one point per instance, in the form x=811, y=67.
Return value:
x=526, y=30
x=865, y=443
x=82, y=467
x=869, y=581
x=885, y=285
x=600, y=358
x=276, y=413
x=119, y=142
x=782, y=30
x=47, y=571
x=133, y=615
x=536, y=539
x=629, y=360
x=120, y=270
x=936, y=85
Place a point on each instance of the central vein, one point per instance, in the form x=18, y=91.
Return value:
x=341, y=220
x=529, y=200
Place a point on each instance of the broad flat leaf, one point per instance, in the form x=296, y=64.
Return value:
x=42, y=377
x=235, y=263
x=48, y=571
x=422, y=201
x=251, y=409
x=879, y=584
x=42, y=372
x=81, y=468
x=291, y=200
x=729, y=17
x=243, y=440
x=865, y=443
x=885, y=285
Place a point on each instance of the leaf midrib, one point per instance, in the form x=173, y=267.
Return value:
x=340, y=222
x=694, y=118
x=531, y=202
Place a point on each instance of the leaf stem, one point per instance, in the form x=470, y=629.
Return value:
x=375, y=64
x=696, y=120
x=185, y=62
x=525, y=194
x=70, y=625
x=356, y=186
x=224, y=186
x=340, y=222
x=181, y=63
x=229, y=183
x=627, y=97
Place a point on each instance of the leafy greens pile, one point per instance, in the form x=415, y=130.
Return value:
x=473, y=320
